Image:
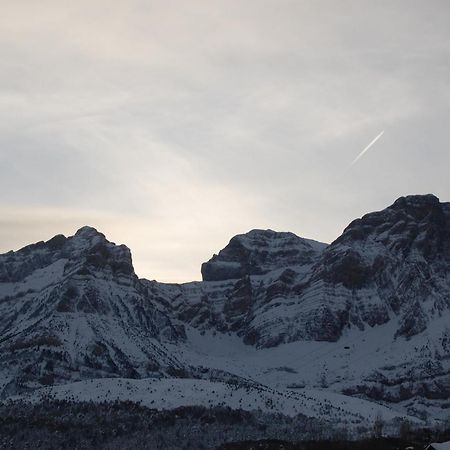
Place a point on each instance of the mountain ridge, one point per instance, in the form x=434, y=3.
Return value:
x=73, y=309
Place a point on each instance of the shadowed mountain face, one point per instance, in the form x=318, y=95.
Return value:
x=259, y=252
x=273, y=288
x=73, y=308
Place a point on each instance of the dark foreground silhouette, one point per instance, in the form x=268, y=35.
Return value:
x=59, y=425
x=370, y=444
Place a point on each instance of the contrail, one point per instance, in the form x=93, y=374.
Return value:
x=367, y=148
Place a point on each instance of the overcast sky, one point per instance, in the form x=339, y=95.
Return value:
x=171, y=126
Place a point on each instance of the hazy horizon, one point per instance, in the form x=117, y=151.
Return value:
x=173, y=126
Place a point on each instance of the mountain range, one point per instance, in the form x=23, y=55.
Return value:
x=342, y=332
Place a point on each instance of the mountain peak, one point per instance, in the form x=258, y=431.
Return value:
x=416, y=201
x=258, y=252
x=406, y=215
x=99, y=252
x=88, y=232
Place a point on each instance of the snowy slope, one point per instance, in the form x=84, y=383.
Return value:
x=370, y=364
x=173, y=393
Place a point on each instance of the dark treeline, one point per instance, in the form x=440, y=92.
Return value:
x=73, y=425
x=365, y=444
x=60, y=425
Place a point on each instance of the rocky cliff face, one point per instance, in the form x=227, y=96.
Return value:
x=259, y=252
x=73, y=308
x=274, y=288
x=242, y=285
x=395, y=263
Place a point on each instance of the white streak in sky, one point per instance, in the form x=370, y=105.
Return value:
x=367, y=148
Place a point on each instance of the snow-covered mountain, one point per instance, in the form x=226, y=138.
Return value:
x=360, y=325
x=73, y=308
x=274, y=288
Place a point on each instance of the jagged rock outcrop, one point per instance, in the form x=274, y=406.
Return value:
x=73, y=308
x=243, y=283
x=394, y=263
x=259, y=252
x=273, y=287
